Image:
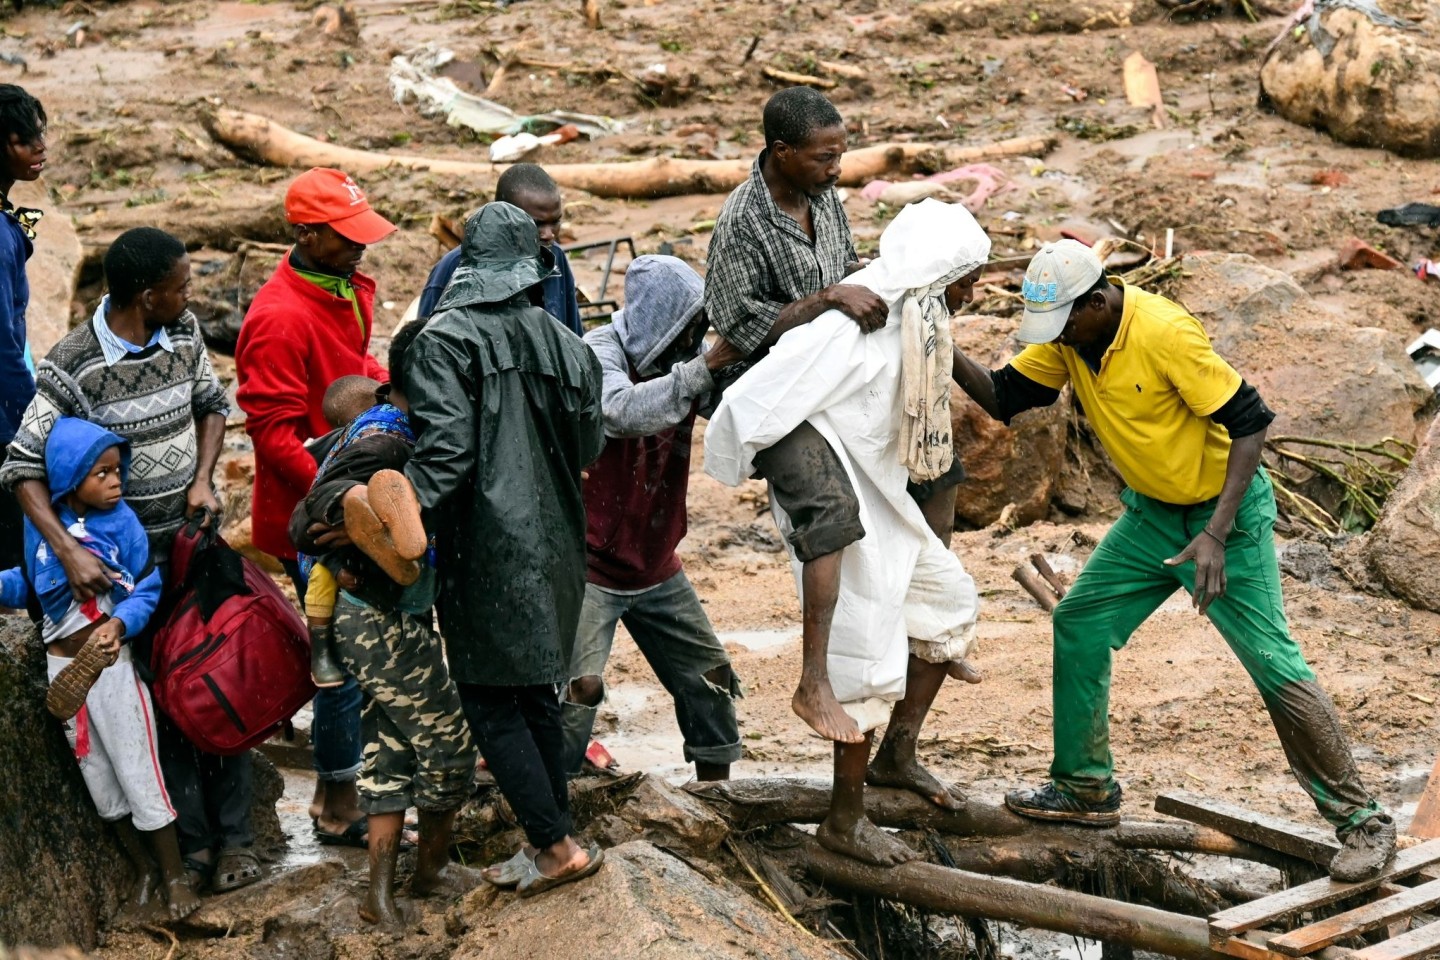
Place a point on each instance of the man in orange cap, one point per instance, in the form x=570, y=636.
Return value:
x=308, y=326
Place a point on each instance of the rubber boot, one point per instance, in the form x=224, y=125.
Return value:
x=325, y=669
x=577, y=722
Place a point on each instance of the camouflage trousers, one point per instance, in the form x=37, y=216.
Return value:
x=418, y=749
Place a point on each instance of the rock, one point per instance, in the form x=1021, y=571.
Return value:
x=1306, y=561
x=285, y=938
x=1324, y=375
x=1042, y=16
x=671, y=818
x=648, y=904
x=1018, y=464
x=53, y=270
x=1403, y=548
x=61, y=873
x=269, y=786
x=1375, y=88
x=1356, y=254
x=299, y=893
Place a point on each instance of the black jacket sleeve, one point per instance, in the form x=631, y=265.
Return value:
x=1016, y=393
x=356, y=465
x=1244, y=414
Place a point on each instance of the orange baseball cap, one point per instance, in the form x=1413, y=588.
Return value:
x=323, y=195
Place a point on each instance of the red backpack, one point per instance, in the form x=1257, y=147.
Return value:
x=232, y=661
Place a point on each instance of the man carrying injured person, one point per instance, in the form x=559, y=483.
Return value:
x=881, y=402
x=1185, y=432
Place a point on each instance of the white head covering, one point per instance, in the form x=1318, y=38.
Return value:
x=929, y=246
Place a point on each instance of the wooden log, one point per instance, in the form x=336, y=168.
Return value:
x=1317, y=893
x=1042, y=567
x=268, y=142
x=796, y=79
x=1352, y=923
x=1414, y=945
x=1051, y=908
x=1277, y=833
x=1036, y=587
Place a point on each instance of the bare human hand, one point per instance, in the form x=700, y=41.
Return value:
x=88, y=577
x=199, y=499
x=107, y=637
x=1208, y=552
x=722, y=353
x=327, y=536
x=860, y=304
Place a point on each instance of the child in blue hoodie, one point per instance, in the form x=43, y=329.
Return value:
x=112, y=729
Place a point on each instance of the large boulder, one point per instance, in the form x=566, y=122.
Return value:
x=648, y=904
x=1365, y=83
x=1018, y=464
x=61, y=872
x=1325, y=375
x=1403, y=548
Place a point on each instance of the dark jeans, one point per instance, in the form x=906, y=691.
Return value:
x=518, y=732
x=211, y=794
x=335, y=732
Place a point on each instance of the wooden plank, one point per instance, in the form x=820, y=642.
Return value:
x=1318, y=893
x=1415, y=945
x=1274, y=833
x=1426, y=823
x=1352, y=923
x=1242, y=947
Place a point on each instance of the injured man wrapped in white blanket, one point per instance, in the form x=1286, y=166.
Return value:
x=898, y=581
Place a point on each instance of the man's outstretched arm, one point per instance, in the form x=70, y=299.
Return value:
x=1001, y=393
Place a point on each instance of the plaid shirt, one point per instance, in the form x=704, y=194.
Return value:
x=761, y=260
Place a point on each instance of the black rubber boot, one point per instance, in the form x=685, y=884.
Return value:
x=325, y=669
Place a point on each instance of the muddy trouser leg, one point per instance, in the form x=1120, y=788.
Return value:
x=418, y=750
x=670, y=628
x=180, y=764
x=811, y=486
x=518, y=732
x=1251, y=618
x=229, y=790
x=594, y=637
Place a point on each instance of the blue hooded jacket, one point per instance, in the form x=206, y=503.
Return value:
x=114, y=536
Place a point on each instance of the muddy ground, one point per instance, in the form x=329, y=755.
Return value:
x=128, y=146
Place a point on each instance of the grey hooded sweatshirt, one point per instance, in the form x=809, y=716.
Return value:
x=662, y=297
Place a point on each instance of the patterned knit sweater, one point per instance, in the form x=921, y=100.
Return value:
x=153, y=399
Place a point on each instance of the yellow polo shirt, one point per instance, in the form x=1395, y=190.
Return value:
x=1151, y=402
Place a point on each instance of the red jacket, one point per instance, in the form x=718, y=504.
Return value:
x=295, y=341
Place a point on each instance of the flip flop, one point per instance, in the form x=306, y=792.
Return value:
x=509, y=873
x=396, y=506
x=237, y=867
x=354, y=835
x=72, y=684
x=536, y=882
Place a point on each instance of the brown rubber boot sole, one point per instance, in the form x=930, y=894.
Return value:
x=72, y=685
x=369, y=533
x=394, y=502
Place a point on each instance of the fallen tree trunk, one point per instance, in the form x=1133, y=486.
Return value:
x=975, y=895
x=263, y=140
x=1014, y=845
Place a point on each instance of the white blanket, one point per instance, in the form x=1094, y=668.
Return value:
x=898, y=581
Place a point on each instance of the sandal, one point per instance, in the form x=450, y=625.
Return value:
x=509, y=873
x=536, y=882
x=354, y=835
x=237, y=867
x=72, y=684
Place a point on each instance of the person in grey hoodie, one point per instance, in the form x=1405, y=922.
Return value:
x=657, y=377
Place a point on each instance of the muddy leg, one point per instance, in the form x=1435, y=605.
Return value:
x=434, y=873
x=147, y=875
x=378, y=907
x=180, y=896
x=814, y=700
x=895, y=763
x=846, y=830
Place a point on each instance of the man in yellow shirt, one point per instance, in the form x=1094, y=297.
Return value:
x=1185, y=432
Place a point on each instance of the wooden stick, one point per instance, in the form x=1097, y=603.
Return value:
x=796, y=79
x=847, y=70
x=1042, y=567
x=765, y=888
x=592, y=13
x=1036, y=587
x=268, y=142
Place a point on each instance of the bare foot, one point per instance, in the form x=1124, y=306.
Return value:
x=146, y=889
x=550, y=865
x=379, y=908
x=964, y=671
x=815, y=703
x=181, y=899
x=450, y=881
x=864, y=841
x=884, y=772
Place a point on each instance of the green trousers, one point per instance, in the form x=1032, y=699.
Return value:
x=1126, y=580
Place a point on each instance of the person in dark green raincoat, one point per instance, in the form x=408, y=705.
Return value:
x=506, y=405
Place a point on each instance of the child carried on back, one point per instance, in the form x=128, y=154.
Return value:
x=368, y=605
x=94, y=688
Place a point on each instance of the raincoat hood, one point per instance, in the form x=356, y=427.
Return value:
x=927, y=243
x=500, y=256
x=662, y=297
x=72, y=449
